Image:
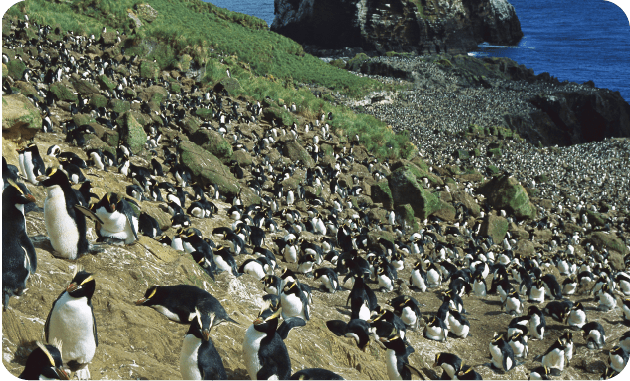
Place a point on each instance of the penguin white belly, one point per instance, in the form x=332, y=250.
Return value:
x=606, y=300
x=166, y=312
x=177, y=244
x=416, y=280
x=328, y=283
x=398, y=265
x=518, y=348
x=568, y=351
x=576, y=319
x=188, y=365
x=497, y=356
x=255, y=269
x=62, y=229
x=626, y=312
x=433, y=278
x=534, y=322
x=291, y=306
x=29, y=167
x=290, y=254
x=554, y=359
x=96, y=159
x=71, y=322
x=385, y=282
x=222, y=264
x=392, y=362
x=305, y=268
x=625, y=287
x=458, y=329
x=435, y=333
x=537, y=294
x=479, y=289
x=408, y=316
x=569, y=289
x=251, y=346
x=514, y=305
x=595, y=336
x=364, y=312
x=21, y=164
x=616, y=362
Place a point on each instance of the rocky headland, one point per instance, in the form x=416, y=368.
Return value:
x=420, y=26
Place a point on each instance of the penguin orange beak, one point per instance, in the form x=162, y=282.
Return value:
x=30, y=197
x=41, y=178
x=205, y=334
x=140, y=301
x=258, y=321
x=62, y=374
x=71, y=287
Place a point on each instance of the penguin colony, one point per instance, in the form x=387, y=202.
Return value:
x=296, y=246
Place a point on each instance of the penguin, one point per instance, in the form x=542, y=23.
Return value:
x=264, y=352
x=569, y=285
x=625, y=309
x=435, y=329
x=119, y=221
x=199, y=359
x=618, y=358
x=518, y=325
x=386, y=277
x=305, y=264
x=468, y=373
x=19, y=259
x=182, y=303
x=479, y=285
x=567, y=338
x=594, y=335
x=458, y=325
x=358, y=329
x=63, y=216
x=502, y=354
x=329, y=279
x=397, y=357
x=450, y=363
x=552, y=288
x=315, y=374
x=408, y=309
x=72, y=171
x=558, y=310
x=293, y=301
x=71, y=320
x=537, y=322
x=576, y=318
x=383, y=315
x=434, y=276
x=225, y=261
x=608, y=374
x=256, y=267
x=272, y=284
x=31, y=163
x=45, y=363
x=149, y=226
x=539, y=373
x=554, y=358
x=419, y=277
x=607, y=300
x=513, y=304
x=518, y=342
x=536, y=293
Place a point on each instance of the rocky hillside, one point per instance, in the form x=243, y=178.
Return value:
x=118, y=99
x=421, y=26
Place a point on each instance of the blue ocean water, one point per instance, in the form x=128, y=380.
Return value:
x=574, y=40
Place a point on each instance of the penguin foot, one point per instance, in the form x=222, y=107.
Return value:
x=95, y=248
x=111, y=241
x=83, y=374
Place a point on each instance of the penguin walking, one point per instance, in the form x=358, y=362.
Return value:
x=553, y=358
x=45, y=363
x=594, y=335
x=71, y=320
x=264, y=352
x=19, y=259
x=199, y=359
x=64, y=216
x=502, y=354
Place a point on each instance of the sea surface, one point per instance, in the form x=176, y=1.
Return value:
x=574, y=40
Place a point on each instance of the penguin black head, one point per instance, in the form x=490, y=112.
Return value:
x=291, y=288
x=45, y=360
x=82, y=285
x=151, y=297
x=53, y=177
x=15, y=195
x=393, y=340
x=202, y=324
x=267, y=320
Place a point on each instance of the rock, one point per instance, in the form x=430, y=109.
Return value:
x=146, y=12
x=98, y=100
x=136, y=20
x=63, y=92
x=495, y=227
x=149, y=69
x=295, y=151
x=406, y=214
x=445, y=211
x=406, y=190
x=20, y=118
x=524, y=248
x=504, y=192
x=82, y=86
x=242, y=158
x=26, y=88
x=468, y=201
x=609, y=241
x=596, y=219
x=109, y=38
x=183, y=63
x=132, y=133
x=213, y=142
x=118, y=105
x=399, y=25
x=228, y=84
x=15, y=69
x=382, y=194
x=207, y=169
x=190, y=125
x=105, y=82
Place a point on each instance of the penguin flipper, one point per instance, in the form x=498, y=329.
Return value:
x=289, y=324
x=414, y=371
x=88, y=213
x=47, y=324
x=338, y=327
x=93, y=323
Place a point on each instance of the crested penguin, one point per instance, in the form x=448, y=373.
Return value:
x=537, y=322
x=31, y=163
x=450, y=363
x=502, y=354
x=119, y=221
x=553, y=358
x=45, y=363
x=594, y=335
x=264, y=352
x=397, y=357
x=71, y=320
x=199, y=359
x=19, y=259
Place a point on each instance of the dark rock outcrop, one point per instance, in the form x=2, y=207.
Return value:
x=422, y=26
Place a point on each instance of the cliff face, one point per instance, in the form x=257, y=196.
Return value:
x=422, y=26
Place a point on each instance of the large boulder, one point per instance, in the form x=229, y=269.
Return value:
x=20, y=118
x=132, y=133
x=381, y=193
x=207, y=169
x=294, y=151
x=505, y=192
x=400, y=25
x=213, y=142
x=406, y=190
x=495, y=227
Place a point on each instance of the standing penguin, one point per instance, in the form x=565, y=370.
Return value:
x=576, y=317
x=119, y=221
x=65, y=221
x=618, y=358
x=554, y=357
x=537, y=322
x=450, y=363
x=45, y=363
x=71, y=320
x=594, y=335
x=264, y=352
x=502, y=354
x=199, y=359
x=293, y=301
x=397, y=357
x=19, y=259
x=31, y=162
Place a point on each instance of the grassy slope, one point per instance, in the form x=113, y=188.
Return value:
x=265, y=63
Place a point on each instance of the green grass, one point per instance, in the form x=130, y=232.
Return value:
x=264, y=63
